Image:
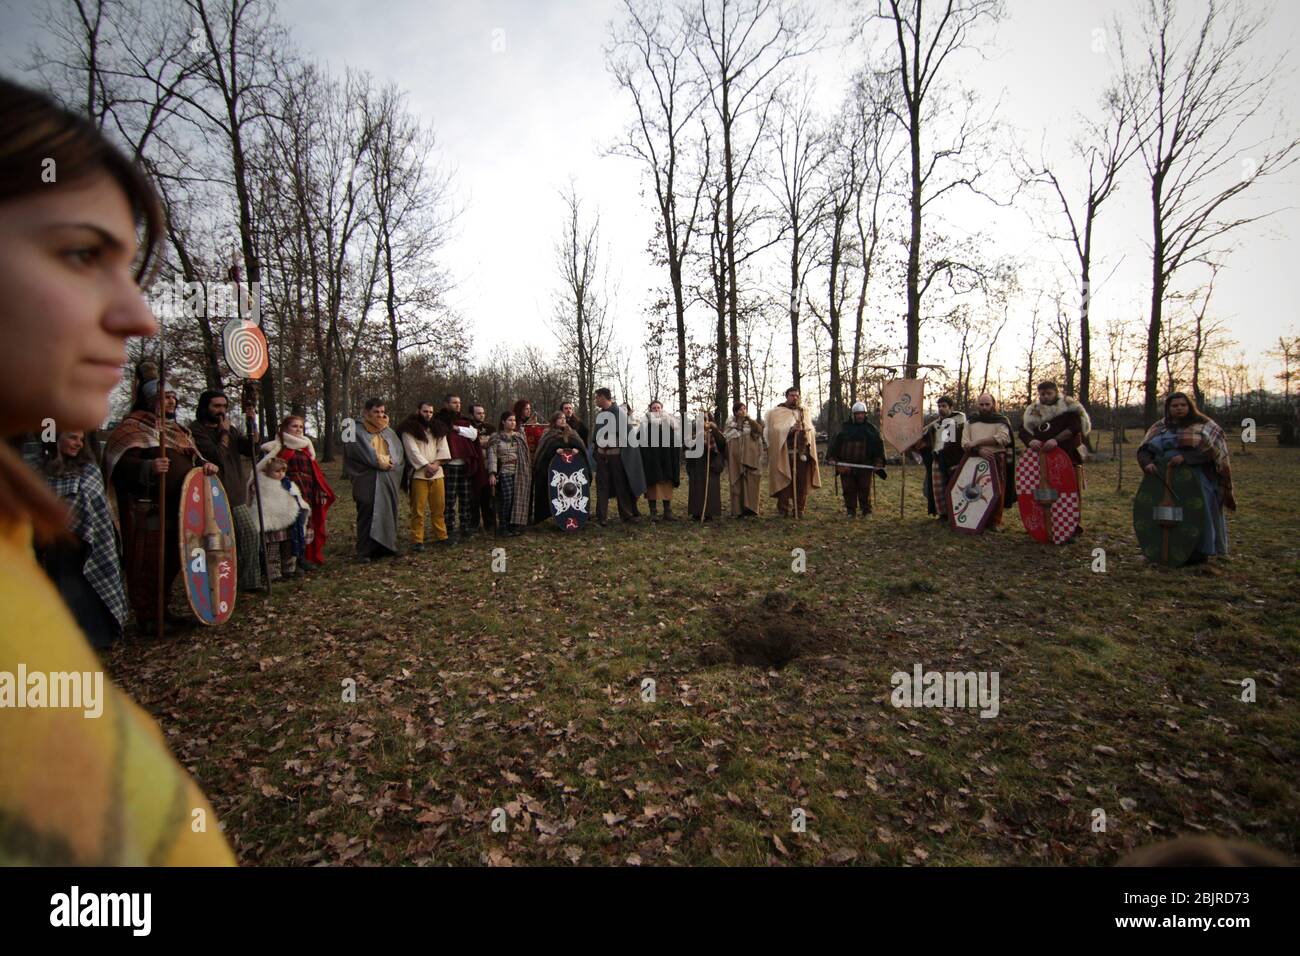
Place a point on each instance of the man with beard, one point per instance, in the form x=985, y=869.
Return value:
x=373, y=461
x=466, y=470
x=576, y=423
x=989, y=434
x=744, y=441
x=138, y=472
x=858, y=442
x=792, y=454
x=484, y=512
x=661, y=460
x=423, y=475
x=618, y=462
x=1057, y=421
x=942, y=438
x=225, y=447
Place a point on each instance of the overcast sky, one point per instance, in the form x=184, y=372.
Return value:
x=519, y=96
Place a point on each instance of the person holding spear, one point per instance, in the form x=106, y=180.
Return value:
x=792, y=455
x=705, y=471
x=146, y=460
x=222, y=444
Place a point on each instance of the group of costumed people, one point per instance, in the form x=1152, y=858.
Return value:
x=1053, y=421
x=461, y=476
x=277, y=494
x=77, y=253
x=1183, y=436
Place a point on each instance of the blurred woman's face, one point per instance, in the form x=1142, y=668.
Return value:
x=71, y=443
x=1179, y=408
x=509, y=423
x=294, y=428
x=68, y=303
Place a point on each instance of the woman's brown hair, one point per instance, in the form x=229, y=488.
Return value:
x=1193, y=413
x=38, y=135
x=56, y=465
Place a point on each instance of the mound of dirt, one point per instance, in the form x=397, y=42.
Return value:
x=769, y=630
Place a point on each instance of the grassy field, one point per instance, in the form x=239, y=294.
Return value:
x=523, y=691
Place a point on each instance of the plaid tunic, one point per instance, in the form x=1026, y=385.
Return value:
x=91, y=522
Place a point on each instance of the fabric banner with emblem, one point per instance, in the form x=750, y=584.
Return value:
x=902, y=415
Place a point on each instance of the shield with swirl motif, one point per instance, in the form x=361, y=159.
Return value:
x=902, y=415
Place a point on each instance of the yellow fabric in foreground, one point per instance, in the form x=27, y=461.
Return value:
x=92, y=791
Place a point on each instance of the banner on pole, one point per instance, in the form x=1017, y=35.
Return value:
x=902, y=412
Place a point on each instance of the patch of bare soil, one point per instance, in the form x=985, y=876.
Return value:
x=769, y=631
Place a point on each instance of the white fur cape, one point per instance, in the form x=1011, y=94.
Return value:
x=279, y=507
x=1038, y=413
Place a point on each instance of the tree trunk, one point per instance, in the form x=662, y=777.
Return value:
x=914, y=250
x=794, y=306
x=679, y=304
x=1151, y=384
x=1085, y=320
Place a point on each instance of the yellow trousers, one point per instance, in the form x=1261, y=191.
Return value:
x=427, y=499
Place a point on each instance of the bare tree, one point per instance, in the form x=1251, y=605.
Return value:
x=1103, y=148
x=413, y=219
x=1197, y=92
x=651, y=60
x=1062, y=331
x=240, y=40
x=876, y=138
x=924, y=42
x=1121, y=377
x=1209, y=336
x=1287, y=355
x=799, y=148
x=743, y=47
x=580, y=319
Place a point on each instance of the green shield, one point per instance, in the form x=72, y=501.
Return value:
x=1168, y=525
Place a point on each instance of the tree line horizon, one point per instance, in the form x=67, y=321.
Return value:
x=776, y=226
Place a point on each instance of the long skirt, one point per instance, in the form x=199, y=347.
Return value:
x=695, y=500
x=141, y=565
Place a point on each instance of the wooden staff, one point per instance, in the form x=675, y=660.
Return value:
x=162, y=491
x=793, y=472
x=902, y=486
x=704, y=506
x=248, y=398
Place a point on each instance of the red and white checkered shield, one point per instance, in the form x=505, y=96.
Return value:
x=1049, y=503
